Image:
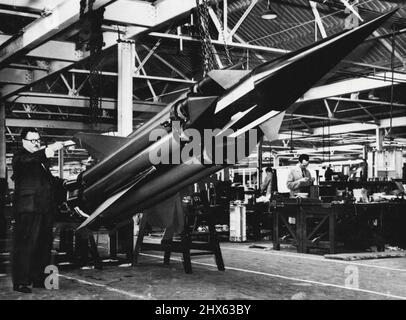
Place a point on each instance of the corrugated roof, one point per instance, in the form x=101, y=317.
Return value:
x=295, y=28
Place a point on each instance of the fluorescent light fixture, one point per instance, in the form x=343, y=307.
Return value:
x=269, y=14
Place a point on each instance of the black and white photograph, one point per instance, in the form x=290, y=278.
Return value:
x=202, y=157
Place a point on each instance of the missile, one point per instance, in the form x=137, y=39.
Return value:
x=228, y=102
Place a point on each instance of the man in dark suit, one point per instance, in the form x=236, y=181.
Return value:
x=34, y=208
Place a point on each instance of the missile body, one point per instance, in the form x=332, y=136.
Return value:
x=126, y=182
x=139, y=140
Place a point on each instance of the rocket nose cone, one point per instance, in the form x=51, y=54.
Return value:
x=280, y=84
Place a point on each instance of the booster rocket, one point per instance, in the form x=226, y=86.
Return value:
x=125, y=181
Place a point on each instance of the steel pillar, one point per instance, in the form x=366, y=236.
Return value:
x=260, y=165
x=60, y=163
x=276, y=161
x=126, y=68
x=3, y=173
x=2, y=142
x=379, y=139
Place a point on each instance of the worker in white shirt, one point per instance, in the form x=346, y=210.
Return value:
x=299, y=178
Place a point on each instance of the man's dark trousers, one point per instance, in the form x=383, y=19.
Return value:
x=32, y=247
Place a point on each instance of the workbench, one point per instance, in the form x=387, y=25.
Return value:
x=315, y=219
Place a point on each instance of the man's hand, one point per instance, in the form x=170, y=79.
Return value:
x=52, y=148
x=56, y=146
x=305, y=181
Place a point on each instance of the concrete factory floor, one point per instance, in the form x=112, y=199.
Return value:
x=251, y=273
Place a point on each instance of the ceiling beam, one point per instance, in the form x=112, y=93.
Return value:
x=30, y=5
x=310, y=116
x=169, y=65
x=17, y=76
x=369, y=65
x=43, y=29
x=126, y=12
x=241, y=20
x=230, y=33
x=54, y=50
x=65, y=125
x=137, y=76
x=220, y=42
x=27, y=66
x=379, y=80
x=389, y=46
x=356, y=127
x=287, y=135
x=369, y=102
x=327, y=149
x=23, y=76
x=80, y=102
x=368, y=113
x=360, y=118
x=318, y=20
x=36, y=75
x=19, y=13
x=166, y=11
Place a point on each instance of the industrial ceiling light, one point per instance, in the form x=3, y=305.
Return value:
x=269, y=14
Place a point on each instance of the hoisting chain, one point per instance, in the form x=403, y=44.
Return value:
x=222, y=33
x=207, y=51
x=94, y=44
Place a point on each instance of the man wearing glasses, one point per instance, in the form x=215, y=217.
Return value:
x=34, y=207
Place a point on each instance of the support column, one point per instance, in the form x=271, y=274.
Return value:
x=2, y=141
x=379, y=133
x=365, y=152
x=3, y=168
x=124, y=238
x=276, y=161
x=260, y=150
x=225, y=19
x=3, y=175
x=379, y=139
x=60, y=163
x=126, y=68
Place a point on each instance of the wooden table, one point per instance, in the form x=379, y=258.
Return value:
x=325, y=214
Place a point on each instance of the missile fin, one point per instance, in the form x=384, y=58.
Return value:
x=271, y=127
x=197, y=105
x=114, y=198
x=99, y=146
x=241, y=128
x=227, y=78
x=100, y=209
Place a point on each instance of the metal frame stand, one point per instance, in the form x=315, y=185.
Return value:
x=186, y=243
